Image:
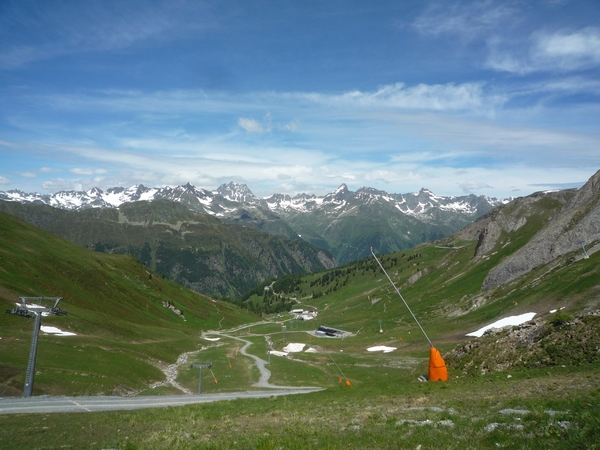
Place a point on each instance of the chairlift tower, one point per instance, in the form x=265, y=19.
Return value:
x=269, y=349
x=34, y=310
x=201, y=365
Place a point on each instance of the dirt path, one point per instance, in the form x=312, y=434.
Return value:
x=261, y=364
x=171, y=371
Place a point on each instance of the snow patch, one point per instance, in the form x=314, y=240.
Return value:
x=293, y=348
x=381, y=348
x=507, y=321
x=56, y=331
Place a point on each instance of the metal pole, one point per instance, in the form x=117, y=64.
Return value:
x=400, y=295
x=200, y=381
x=30, y=374
x=35, y=311
x=338, y=367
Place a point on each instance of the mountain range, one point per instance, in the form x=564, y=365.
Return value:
x=343, y=222
x=538, y=253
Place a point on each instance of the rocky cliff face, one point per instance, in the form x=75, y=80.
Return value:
x=574, y=229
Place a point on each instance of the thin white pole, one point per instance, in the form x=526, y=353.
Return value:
x=400, y=295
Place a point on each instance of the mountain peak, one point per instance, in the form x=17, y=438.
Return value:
x=236, y=192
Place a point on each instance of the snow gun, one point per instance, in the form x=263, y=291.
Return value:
x=437, y=366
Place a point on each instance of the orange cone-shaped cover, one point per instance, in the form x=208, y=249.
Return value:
x=437, y=366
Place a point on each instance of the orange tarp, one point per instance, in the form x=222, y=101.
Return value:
x=437, y=366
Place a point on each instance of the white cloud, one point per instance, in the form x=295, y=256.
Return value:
x=474, y=186
x=5, y=181
x=467, y=20
x=568, y=51
x=78, y=171
x=562, y=51
x=58, y=184
x=86, y=171
x=251, y=125
x=27, y=174
x=422, y=97
x=470, y=96
x=292, y=126
x=254, y=126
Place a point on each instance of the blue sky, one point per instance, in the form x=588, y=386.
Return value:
x=500, y=98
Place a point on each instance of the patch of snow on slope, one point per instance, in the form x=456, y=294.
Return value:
x=114, y=199
x=293, y=348
x=56, y=331
x=507, y=321
x=149, y=196
x=457, y=206
x=381, y=348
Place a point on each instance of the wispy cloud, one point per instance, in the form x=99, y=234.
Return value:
x=251, y=125
x=467, y=20
x=474, y=186
x=50, y=29
x=86, y=171
x=254, y=126
x=562, y=51
x=27, y=174
x=58, y=184
x=437, y=97
x=421, y=97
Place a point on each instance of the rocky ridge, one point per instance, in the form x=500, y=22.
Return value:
x=575, y=228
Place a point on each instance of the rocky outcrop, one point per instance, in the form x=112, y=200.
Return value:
x=558, y=340
x=575, y=227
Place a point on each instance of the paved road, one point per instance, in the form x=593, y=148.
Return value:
x=46, y=404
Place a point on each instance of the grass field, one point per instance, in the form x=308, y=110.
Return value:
x=556, y=408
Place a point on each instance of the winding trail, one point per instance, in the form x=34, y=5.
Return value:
x=265, y=374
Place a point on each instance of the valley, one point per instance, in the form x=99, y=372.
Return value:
x=531, y=385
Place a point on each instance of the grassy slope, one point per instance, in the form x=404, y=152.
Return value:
x=115, y=307
x=447, y=298
x=555, y=409
x=194, y=249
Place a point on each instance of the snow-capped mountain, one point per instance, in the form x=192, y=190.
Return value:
x=345, y=222
x=417, y=204
x=229, y=197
